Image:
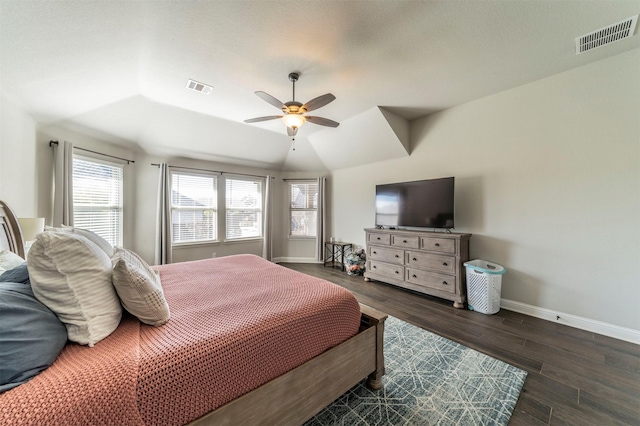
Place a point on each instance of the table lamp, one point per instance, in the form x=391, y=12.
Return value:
x=30, y=226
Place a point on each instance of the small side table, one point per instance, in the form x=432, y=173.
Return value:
x=334, y=253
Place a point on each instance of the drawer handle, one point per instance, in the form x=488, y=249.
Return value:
x=397, y=255
x=445, y=283
x=375, y=252
x=378, y=237
x=404, y=241
x=375, y=267
x=444, y=264
x=415, y=276
x=415, y=260
x=397, y=272
x=437, y=244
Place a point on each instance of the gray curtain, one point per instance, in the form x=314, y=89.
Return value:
x=63, y=184
x=163, y=222
x=322, y=218
x=267, y=242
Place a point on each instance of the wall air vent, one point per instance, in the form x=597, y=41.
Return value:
x=199, y=87
x=607, y=35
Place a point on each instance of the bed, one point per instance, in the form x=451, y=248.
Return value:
x=243, y=358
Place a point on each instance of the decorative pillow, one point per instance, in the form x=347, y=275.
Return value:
x=72, y=277
x=139, y=288
x=90, y=235
x=31, y=336
x=9, y=260
x=19, y=274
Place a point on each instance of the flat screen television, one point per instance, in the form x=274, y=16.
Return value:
x=418, y=204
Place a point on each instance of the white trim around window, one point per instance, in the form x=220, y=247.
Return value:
x=194, y=207
x=244, y=208
x=303, y=208
x=98, y=197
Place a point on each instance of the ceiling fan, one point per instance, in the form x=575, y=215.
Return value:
x=293, y=111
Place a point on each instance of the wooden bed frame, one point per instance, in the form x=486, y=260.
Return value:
x=10, y=232
x=295, y=396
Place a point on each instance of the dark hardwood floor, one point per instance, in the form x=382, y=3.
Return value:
x=575, y=377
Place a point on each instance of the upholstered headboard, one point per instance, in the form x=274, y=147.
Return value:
x=10, y=232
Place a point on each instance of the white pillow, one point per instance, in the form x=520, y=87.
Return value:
x=90, y=235
x=139, y=287
x=9, y=260
x=72, y=276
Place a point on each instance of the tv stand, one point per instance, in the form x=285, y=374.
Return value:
x=424, y=261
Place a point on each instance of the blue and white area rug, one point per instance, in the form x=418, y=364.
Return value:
x=430, y=380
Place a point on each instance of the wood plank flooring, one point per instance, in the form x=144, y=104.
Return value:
x=575, y=377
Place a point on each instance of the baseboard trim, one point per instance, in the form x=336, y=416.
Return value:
x=617, y=332
x=295, y=260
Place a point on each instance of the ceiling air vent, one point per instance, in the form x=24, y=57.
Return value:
x=607, y=35
x=199, y=87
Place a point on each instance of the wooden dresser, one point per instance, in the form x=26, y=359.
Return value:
x=426, y=262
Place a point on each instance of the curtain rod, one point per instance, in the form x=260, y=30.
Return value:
x=211, y=171
x=51, y=143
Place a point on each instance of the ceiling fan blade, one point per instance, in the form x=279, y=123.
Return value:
x=318, y=102
x=273, y=101
x=322, y=121
x=292, y=131
x=268, y=117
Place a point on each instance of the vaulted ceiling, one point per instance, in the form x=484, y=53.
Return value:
x=118, y=69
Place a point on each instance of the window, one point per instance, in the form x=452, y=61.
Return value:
x=194, y=207
x=303, y=208
x=243, y=208
x=97, y=197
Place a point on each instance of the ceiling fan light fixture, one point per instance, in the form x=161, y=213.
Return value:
x=293, y=111
x=294, y=120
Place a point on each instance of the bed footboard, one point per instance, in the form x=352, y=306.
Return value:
x=374, y=318
x=299, y=394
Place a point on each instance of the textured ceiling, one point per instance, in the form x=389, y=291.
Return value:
x=119, y=69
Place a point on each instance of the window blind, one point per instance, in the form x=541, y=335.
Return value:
x=303, y=208
x=194, y=204
x=243, y=208
x=97, y=198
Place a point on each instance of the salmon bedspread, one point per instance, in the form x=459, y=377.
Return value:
x=236, y=323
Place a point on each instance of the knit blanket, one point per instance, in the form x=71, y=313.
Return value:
x=236, y=323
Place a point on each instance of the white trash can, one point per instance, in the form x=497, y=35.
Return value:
x=484, y=285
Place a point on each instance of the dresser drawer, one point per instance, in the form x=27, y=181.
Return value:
x=386, y=269
x=432, y=280
x=442, y=245
x=405, y=241
x=385, y=254
x=435, y=262
x=376, y=238
x=422, y=261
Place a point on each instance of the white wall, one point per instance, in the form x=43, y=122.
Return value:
x=547, y=181
x=18, y=172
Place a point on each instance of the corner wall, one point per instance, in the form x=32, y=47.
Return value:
x=18, y=171
x=547, y=181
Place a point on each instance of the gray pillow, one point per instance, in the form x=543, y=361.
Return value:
x=31, y=336
x=19, y=274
